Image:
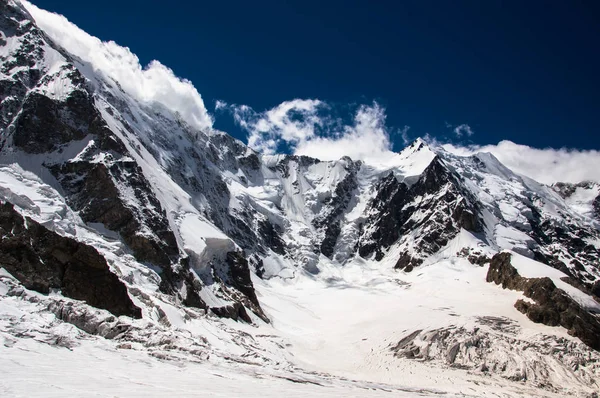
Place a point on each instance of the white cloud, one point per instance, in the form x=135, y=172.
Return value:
x=544, y=165
x=305, y=127
x=220, y=105
x=367, y=138
x=154, y=83
x=463, y=129
x=291, y=122
x=404, y=135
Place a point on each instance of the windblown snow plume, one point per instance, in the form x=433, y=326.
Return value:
x=154, y=83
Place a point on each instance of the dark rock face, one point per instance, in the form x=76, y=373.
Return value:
x=566, y=240
x=437, y=195
x=501, y=272
x=237, y=275
x=43, y=260
x=334, y=206
x=595, y=289
x=596, y=207
x=44, y=124
x=236, y=311
x=250, y=161
x=407, y=263
x=553, y=307
x=271, y=236
x=92, y=190
x=475, y=257
x=387, y=206
x=332, y=232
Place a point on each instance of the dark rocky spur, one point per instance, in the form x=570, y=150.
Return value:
x=552, y=306
x=44, y=261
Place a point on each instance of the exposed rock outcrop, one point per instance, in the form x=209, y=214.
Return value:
x=474, y=256
x=42, y=260
x=433, y=210
x=552, y=307
x=45, y=125
x=235, y=311
x=328, y=221
x=93, y=190
x=236, y=275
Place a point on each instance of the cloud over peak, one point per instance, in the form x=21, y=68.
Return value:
x=308, y=127
x=290, y=122
x=546, y=165
x=460, y=130
x=366, y=138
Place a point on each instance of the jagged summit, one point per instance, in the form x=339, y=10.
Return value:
x=417, y=145
x=191, y=230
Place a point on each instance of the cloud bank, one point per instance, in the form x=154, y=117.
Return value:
x=307, y=128
x=154, y=83
x=544, y=165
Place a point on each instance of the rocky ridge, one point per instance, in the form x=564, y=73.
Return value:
x=44, y=261
x=551, y=306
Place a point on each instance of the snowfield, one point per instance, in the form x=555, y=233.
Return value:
x=330, y=335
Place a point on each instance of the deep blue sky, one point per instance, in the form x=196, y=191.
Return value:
x=527, y=71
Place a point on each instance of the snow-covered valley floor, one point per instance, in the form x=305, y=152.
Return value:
x=335, y=334
x=32, y=369
x=346, y=323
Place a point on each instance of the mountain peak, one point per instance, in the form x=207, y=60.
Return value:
x=418, y=144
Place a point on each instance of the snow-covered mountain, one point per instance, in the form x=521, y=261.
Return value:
x=130, y=233
x=583, y=197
